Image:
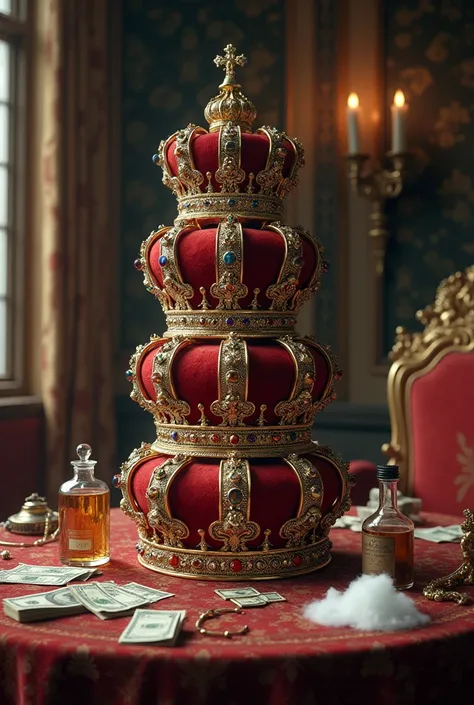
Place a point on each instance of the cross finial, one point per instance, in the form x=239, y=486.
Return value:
x=229, y=61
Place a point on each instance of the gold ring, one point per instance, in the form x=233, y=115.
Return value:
x=212, y=614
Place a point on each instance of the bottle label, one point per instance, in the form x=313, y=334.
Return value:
x=80, y=540
x=378, y=554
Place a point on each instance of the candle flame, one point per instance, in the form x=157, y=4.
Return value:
x=353, y=101
x=399, y=99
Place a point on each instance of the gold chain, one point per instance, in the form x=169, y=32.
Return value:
x=46, y=538
x=211, y=614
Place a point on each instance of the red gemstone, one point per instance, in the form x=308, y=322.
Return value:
x=215, y=438
x=276, y=437
x=269, y=321
x=197, y=563
x=174, y=561
x=236, y=566
x=297, y=560
x=234, y=439
x=193, y=438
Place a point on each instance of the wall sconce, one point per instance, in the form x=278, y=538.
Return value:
x=377, y=179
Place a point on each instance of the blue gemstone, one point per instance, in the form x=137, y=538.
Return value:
x=163, y=260
x=116, y=481
x=230, y=321
x=229, y=257
x=231, y=202
x=187, y=205
x=254, y=204
x=129, y=374
x=246, y=321
x=293, y=436
x=207, y=203
x=252, y=438
x=174, y=435
x=156, y=158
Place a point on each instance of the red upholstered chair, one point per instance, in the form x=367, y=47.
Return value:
x=431, y=401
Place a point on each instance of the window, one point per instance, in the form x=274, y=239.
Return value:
x=13, y=41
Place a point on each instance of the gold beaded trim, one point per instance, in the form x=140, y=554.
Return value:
x=234, y=527
x=266, y=324
x=251, y=565
x=245, y=206
x=171, y=530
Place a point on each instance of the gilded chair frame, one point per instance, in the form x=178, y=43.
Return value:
x=448, y=327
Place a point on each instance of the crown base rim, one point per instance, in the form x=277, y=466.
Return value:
x=221, y=322
x=211, y=206
x=274, y=564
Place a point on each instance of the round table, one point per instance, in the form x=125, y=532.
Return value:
x=284, y=659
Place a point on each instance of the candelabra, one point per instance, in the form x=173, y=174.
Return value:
x=377, y=182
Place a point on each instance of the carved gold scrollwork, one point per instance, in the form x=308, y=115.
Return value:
x=296, y=531
x=234, y=527
x=127, y=505
x=232, y=405
x=299, y=408
x=229, y=174
x=189, y=176
x=170, y=181
x=291, y=181
x=171, y=531
x=287, y=284
x=228, y=288
x=168, y=408
x=272, y=175
x=176, y=290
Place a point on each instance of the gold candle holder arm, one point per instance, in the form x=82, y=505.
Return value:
x=440, y=589
x=377, y=183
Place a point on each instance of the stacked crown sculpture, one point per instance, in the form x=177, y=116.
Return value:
x=233, y=488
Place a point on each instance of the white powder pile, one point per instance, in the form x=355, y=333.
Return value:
x=369, y=603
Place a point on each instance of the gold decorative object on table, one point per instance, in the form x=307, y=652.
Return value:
x=440, y=590
x=34, y=518
x=212, y=614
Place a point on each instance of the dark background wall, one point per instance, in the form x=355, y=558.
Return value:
x=430, y=56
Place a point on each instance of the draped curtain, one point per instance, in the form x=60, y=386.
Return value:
x=77, y=242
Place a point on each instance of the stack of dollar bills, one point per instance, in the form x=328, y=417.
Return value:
x=160, y=627
x=250, y=597
x=106, y=600
x=24, y=574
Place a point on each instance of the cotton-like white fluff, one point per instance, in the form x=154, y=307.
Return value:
x=369, y=603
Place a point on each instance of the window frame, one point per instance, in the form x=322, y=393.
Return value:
x=16, y=29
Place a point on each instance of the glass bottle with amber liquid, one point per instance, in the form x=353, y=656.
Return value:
x=84, y=515
x=387, y=535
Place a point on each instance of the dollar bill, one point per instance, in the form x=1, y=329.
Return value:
x=107, y=600
x=144, y=591
x=273, y=596
x=439, y=534
x=24, y=574
x=43, y=605
x=153, y=627
x=237, y=593
x=255, y=601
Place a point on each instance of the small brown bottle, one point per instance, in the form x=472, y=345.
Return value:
x=84, y=515
x=387, y=535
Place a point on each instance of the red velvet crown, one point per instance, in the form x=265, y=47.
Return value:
x=233, y=487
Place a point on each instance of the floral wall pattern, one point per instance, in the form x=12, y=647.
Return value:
x=430, y=56
x=168, y=49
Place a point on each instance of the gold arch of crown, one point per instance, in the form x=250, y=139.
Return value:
x=259, y=439
x=285, y=295
x=161, y=535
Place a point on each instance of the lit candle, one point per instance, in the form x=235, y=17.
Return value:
x=399, y=111
x=353, y=123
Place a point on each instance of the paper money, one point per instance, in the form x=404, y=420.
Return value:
x=107, y=600
x=153, y=627
x=254, y=601
x=273, y=597
x=440, y=534
x=24, y=574
x=43, y=605
x=237, y=593
x=149, y=593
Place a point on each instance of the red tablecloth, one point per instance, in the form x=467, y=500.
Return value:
x=283, y=659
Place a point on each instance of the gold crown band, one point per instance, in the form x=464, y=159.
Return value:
x=267, y=324
x=206, y=206
x=218, y=565
x=247, y=441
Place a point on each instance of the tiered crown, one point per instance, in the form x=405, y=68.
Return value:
x=229, y=168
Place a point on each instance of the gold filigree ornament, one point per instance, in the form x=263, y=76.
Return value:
x=212, y=614
x=441, y=589
x=232, y=405
x=171, y=531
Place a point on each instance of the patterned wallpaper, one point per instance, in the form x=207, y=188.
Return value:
x=168, y=77
x=430, y=56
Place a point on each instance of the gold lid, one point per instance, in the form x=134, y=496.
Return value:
x=230, y=105
x=32, y=517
